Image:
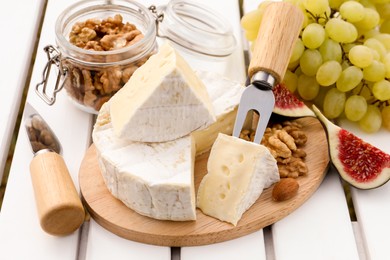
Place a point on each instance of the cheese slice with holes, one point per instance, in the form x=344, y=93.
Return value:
x=164, y=100
x=238, y=171
x=156, y=179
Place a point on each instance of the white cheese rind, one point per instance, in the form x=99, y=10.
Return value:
x=156, y=179
x=238, y=171
x=164, y=100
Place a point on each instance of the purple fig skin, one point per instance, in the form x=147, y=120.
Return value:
x=359, y=163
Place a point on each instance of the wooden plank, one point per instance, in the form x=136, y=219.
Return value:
x=319, y=229
x=115, y=247
x=20, y=233
x=247, y=247
x=19, y=26
x=372, y=207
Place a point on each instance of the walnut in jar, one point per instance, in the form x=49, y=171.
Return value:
x=93, y=85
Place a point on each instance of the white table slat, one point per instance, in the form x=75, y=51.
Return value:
x=20, y=234
x=247, y=247
x=319, y=229
x=372, y=207
x=233, y=68
x=120, y=248
x=19, y=25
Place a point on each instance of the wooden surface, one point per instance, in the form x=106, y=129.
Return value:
x=280, y=27
x=121, y=220
x=320, y=229
x=15, y=63
x=62, y=212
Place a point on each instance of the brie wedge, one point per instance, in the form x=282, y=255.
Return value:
x=156, y=179
x=238, y=171
x=164, y=100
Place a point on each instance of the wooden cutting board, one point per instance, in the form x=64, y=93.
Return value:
x=113, y=215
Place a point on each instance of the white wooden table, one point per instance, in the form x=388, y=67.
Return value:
x=320, y=229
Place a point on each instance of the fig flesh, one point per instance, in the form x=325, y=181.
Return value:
x=359, y=163
x=287, y=104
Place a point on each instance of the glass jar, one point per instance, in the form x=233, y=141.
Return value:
x=91, y=73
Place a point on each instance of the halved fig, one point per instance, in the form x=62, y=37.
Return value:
x=287, y=104
x=359, y=163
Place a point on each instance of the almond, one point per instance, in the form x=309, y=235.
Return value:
x=285, y=189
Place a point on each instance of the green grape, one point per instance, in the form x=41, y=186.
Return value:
x=383, y=10
x=251, y=35
x=347, y=47
x=360, y=56
x=345, y=64
x=385, y=26
x=371, y=20
x=318, y=7
x=328, y=73
x=371, y=122
x=386, y=62
x=331, y=50
x=375, y=72
x=366, y=91
x=386, y=117
x=375, y=55
x=310, y=61
x=251, y=20
x=352, y=11
x=355, y=107
x=293, y=65
x=379, y=1
x=334, y=102
x=341, y=31
x=367, y=3
x=349, y=79
x=381, y=90
x=290, y=79
x=297, y=51
x=319, y=100
x=307, y=87
x=375, y=44
x=335, y=4
x=384, y=38
x=313, y=35
x=370, y=33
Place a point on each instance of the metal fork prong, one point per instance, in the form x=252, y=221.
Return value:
x=258, y=100
x=239, y=123
x=261, y=126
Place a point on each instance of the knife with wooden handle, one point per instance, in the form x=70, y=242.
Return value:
x=58, y=203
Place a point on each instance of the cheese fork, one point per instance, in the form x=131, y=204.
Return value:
x=279, y=30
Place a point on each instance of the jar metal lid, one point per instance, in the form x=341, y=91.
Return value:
x=196, y=28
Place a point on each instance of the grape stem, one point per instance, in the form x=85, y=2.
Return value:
x=317, y=18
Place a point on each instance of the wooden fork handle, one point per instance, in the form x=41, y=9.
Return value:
x=279, y=30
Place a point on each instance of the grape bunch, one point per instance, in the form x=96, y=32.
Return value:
x=341, y=61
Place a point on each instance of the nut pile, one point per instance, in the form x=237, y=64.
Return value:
x=93, y=86
x=40, y=136
x=285, y=142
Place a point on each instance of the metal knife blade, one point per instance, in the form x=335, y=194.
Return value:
x=39, y=133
